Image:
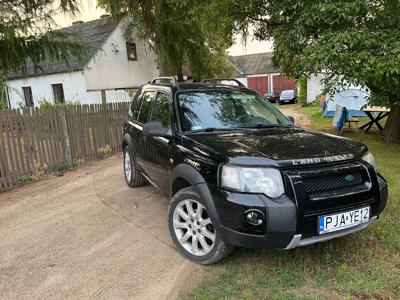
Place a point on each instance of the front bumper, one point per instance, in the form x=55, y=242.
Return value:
x=297, y=240
x=283, y=228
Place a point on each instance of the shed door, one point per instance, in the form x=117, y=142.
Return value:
x=282, y=83
x=259, y=84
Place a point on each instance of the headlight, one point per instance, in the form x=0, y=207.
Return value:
x=369, y=158
x=253, y=180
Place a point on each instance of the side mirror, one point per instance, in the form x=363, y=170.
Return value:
x=156, y=129
x=291, y=119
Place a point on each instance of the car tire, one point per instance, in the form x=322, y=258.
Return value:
x=133, y=177
x=186, y=224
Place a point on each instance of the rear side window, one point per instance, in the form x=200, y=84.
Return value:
x=161, y=111
x=145, y=107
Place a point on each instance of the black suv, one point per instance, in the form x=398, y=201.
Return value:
x=239, y=173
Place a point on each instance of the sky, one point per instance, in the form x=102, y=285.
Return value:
x=90, y=11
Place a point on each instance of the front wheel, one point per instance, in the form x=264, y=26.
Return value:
x=192, y=229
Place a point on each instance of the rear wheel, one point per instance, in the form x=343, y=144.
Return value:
x=192, y=229
x=132, y=176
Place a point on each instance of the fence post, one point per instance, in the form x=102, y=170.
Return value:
x=65, y=134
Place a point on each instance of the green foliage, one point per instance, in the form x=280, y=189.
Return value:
x=45, y=104
x=357, y=42
x=182, y=32
x=24, y=179
x=302, y=83
x=64, y=167
x=3, y=96
x=25, y=35
x=132, y=92
x=3, y=104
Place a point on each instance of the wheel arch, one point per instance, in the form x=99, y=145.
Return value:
x=126, y=141
x=184, y=173
x=188, y=174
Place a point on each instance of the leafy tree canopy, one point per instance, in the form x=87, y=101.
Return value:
x=25, y=33
x=356, y=41
x=181, y=32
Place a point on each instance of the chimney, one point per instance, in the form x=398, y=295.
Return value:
x=76, y=23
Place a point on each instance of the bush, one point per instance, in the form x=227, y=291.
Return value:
x=3, y=104
x=24, y=179
x=104, y=151
x=64, y=167
x=302, y=82
x=45, y=104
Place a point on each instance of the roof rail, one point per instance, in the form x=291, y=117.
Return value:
x=172, y=80
x=220, y=81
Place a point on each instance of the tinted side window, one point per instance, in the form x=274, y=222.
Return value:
x=134, y=104
x=161, y=110
x=145, y=108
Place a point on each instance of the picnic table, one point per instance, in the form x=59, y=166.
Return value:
x=374, y=119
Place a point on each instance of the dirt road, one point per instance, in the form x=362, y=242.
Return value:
x=88, y=236
x=299, y=118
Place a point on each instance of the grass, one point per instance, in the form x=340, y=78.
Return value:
x=365, y=265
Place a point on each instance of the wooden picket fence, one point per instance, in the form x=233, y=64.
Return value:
x=39, y=140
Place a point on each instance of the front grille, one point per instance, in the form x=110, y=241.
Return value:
x=332, y=182
x=327, y=189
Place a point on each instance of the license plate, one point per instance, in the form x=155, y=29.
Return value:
x=343, y=220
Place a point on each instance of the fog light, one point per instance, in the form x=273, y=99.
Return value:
x=254, y=217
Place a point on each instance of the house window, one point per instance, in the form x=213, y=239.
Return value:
x=58, y=93
x=131, y=50
x=28, y=96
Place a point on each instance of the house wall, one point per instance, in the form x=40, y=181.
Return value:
x=314, y=86
x=74, y=87
x=110, y=67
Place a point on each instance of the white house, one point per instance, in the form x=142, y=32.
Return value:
x=113, y=66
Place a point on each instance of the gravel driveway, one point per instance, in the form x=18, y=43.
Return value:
x=87, y=235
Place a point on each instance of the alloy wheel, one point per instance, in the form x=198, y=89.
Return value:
x=127, y=166
x=193, y=227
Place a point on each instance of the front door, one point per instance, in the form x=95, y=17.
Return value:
x=156, y=157
x=145, y=105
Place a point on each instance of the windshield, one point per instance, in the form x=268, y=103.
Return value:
x=200, y=110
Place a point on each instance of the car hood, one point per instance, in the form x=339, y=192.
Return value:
x=278, y=144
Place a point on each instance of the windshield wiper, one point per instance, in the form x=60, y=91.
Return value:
x=261, y=125
x=211, y=129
